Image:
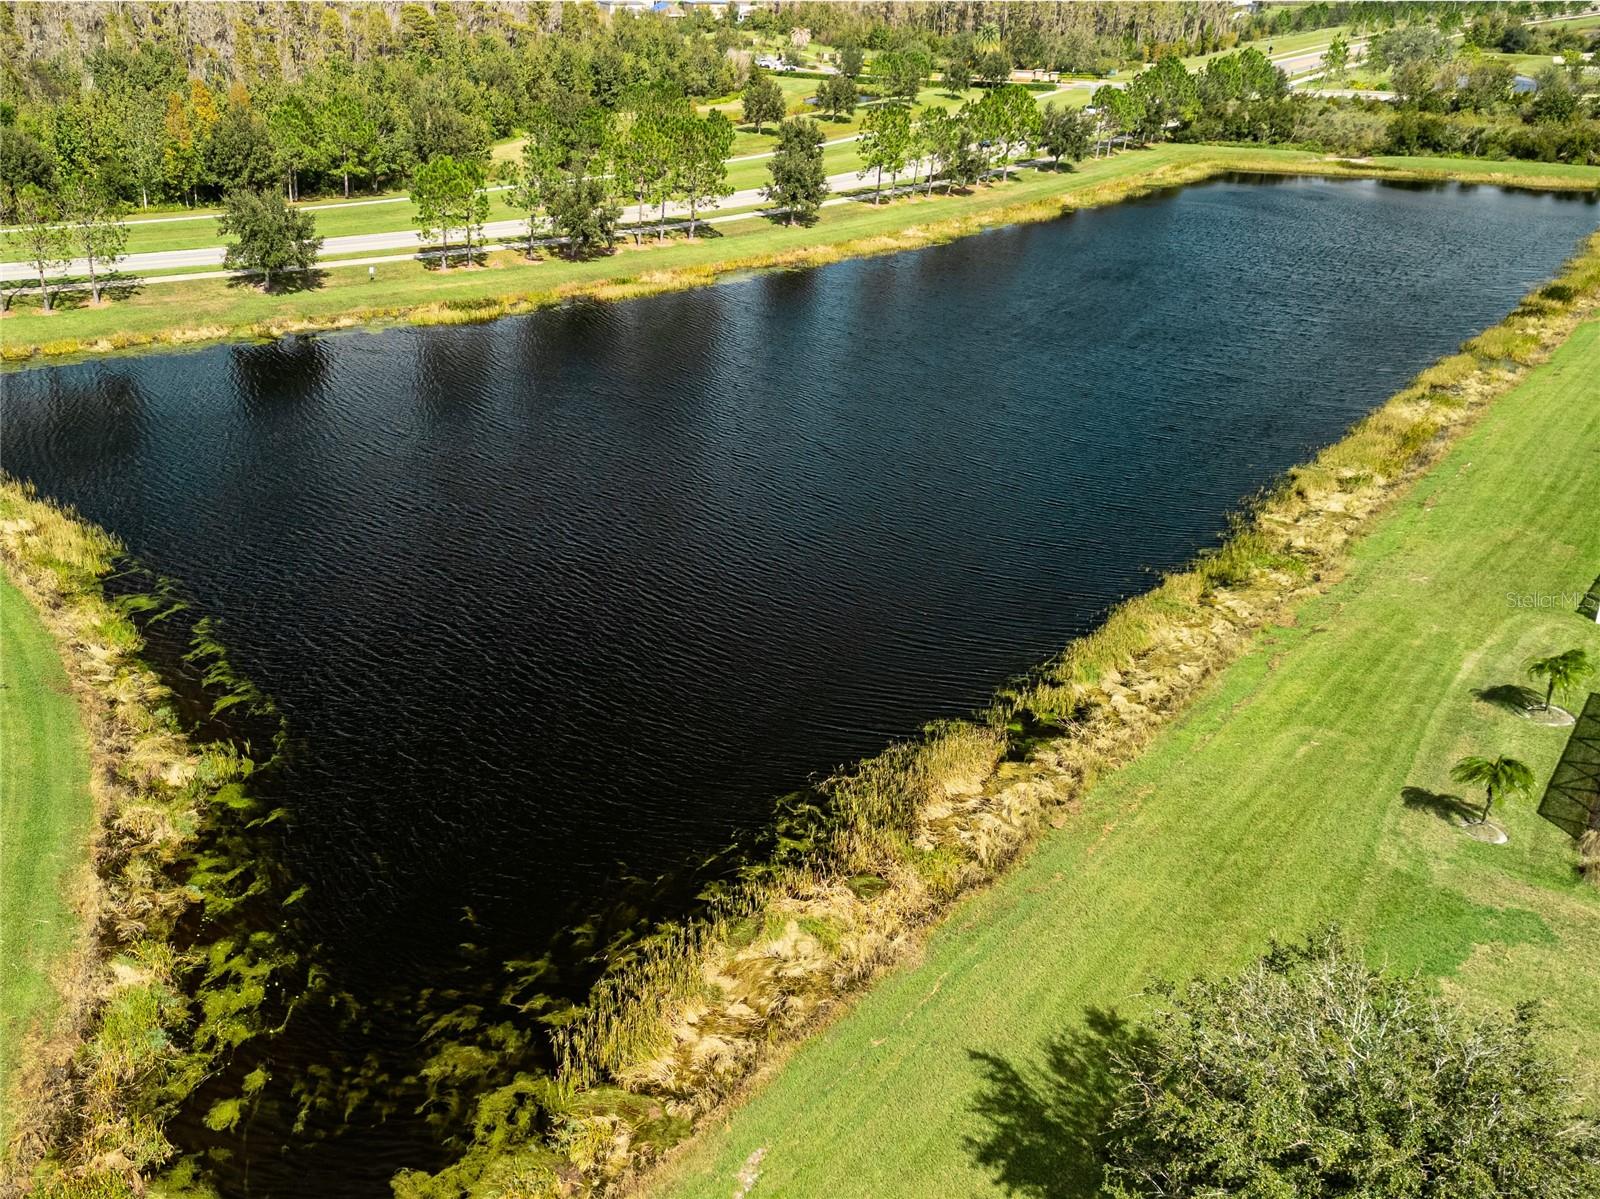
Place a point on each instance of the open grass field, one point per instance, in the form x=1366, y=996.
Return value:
x=222, y=307
x=1288, y=43
x=45, y=817
x=1310, y=783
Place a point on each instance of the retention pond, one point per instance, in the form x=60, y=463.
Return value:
x=567, y=599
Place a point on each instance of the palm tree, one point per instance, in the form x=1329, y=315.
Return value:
x=1561, y=672
x=1497, y=776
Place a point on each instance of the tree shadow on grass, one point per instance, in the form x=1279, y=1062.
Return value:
x=1509, y=697
x=781, y=217
x=121, y=286
x=286, y=283
x=1045, y=1124
x=1446, y=807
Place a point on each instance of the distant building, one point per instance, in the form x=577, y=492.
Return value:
x=1523, y=86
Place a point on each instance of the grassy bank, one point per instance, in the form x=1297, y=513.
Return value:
x=45, y=818
x=1311, y=781
x=198, y=312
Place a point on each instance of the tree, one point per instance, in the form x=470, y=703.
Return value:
x=884, y=142
x=1064, y=133
x=1169, y=95
x=1122, y=108
x=583, y=208
x=533, y=180
x=702, y=172
x=1561, y=672
x=44, y=240
x=1487, y=83
x=349, y=135
x=238, y=153
x=97, y=229
x=647, y=146
x=957, y=73
x=24, y=164
x=1309, y=1074
x=449, y=195
x=762, y=100
x=180, y=159
x=837, y=96
x=1555, y=102
x=942, y=136
x=993, y=67
x=965, y=165
x=1497, y=776
x=851, y=60
x=272, y=235
x=1006, y=116
x=1336, y=58
x=295, y=142
x=141, y=117
x=799, y=180
x=904, y=72
x=1412, y=43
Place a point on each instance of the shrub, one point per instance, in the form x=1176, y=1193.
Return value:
x=1312, y=1075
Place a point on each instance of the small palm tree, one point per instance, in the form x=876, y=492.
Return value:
x=1561, y=672
x=1497, y=776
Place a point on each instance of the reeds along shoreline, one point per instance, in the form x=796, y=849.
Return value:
x=669, y=279
x=147, y=1007
x=870, y=858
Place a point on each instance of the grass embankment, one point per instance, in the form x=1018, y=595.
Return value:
x=409, y=292
x=45, y=818
x=1310, y=782
x=164, y=837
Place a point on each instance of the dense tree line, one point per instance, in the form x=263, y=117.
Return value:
x=167, y=103
x=1447, y=102
x=163, y=120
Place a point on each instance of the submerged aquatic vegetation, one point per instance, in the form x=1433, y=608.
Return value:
x=171, y=981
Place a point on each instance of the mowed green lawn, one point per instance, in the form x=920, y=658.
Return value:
x=45, y=816
x=1281, y=801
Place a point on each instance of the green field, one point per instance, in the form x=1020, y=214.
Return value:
x=1311, y=782
x=1289, y=43
x=45, y=817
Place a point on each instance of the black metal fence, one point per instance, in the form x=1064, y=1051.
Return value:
x=1572, y=800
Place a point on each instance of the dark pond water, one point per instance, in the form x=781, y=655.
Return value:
x=560, y=597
